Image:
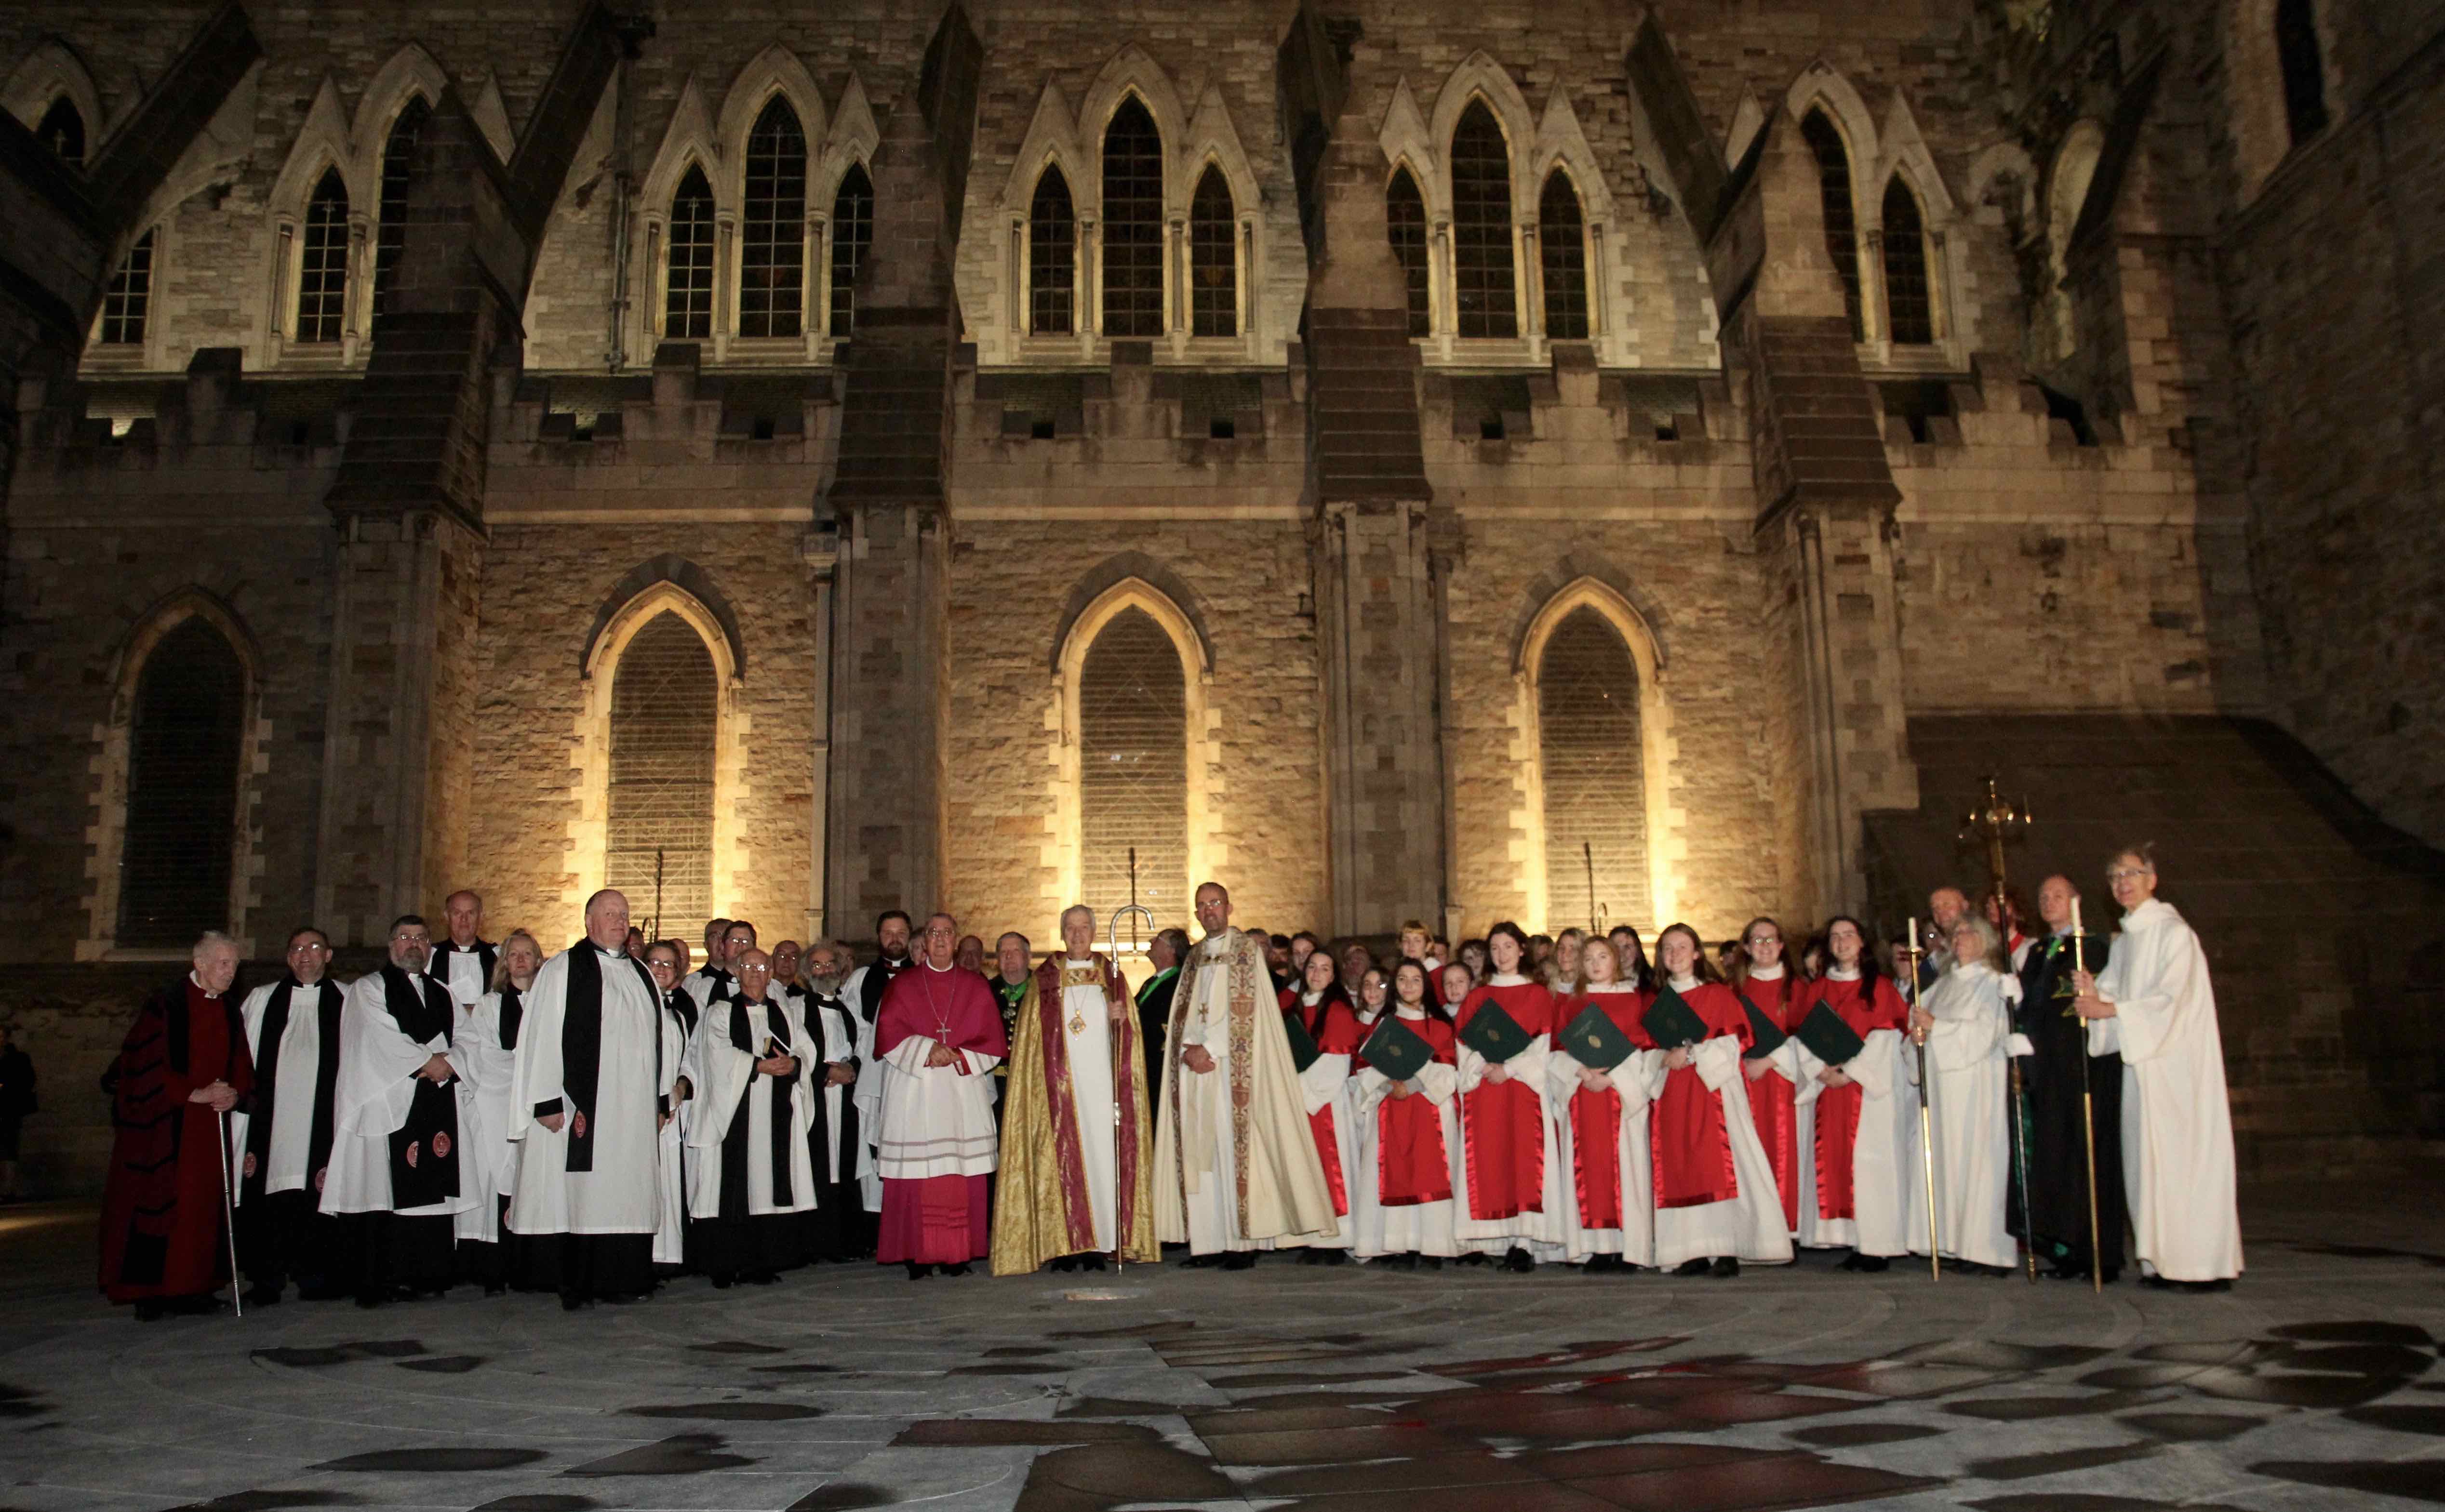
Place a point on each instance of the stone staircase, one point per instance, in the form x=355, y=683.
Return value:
x=2325, y=926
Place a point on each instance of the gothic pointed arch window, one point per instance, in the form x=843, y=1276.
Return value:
x=128, y=304
x=1909, y=304
x=323, y=262
x=659, y=811
x=184, y=740
x=62, y=129
x=1133, y=766
x=1404, y=220
x=1213, y=258
x=853, y=237
x=2302, y=57
x=1482, y=278
x=687, y=295
x=1841, y=218
x=1052, y=256
x=398, y=172
x=1132, y=223
x=1591, y=768
x=773, y=234
x=1562, y=248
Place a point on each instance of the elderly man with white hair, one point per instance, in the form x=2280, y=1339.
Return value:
x=181, y=1069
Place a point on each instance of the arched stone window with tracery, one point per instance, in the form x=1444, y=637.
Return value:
x=659, y=811
x=852, y=234
x=323, y=263
x=184, y=741
x=772, y=234
x=1213, y=258
x=398, y=172
x=1405, y=219
x=1842, y=218
x=127, y=304
x=2303, y=60
x=1562, y=248
x=1132, y=223
x=1132, y=703
x=1910, y=296
x=687, y=297
x=1483, y=277
x=1592, y=770
x=1052, y=256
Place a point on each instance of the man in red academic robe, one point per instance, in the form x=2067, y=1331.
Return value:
x=184, y=1065
x=938, y=1036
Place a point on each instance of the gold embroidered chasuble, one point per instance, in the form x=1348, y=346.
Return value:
x=1041, y=1208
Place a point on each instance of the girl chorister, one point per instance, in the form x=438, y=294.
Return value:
x=1856, y=1138
x=1506, y=1129
x=1607, y=1217
x=1401, y=1188
x=1323, y=1010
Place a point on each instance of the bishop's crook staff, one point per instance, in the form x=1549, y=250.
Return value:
x=1992, y=822
x=1120, y=1115
x=2087, y=1112
x=1926, y=1120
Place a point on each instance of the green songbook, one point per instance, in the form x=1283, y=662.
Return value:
x=1494, y=1034
x=1673, y=1023
x=1761, y=1029
x=1396, y=1050
x=1303, y=1051
x=1827, y=1036
x=1594, y=1040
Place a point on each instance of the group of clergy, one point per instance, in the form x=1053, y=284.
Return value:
x=595, y=1121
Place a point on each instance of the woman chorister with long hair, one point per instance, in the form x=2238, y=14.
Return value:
x=1715, y=1197
x=1858, y=1133
x=1320, y=1006
x=1764, y=980
x=1966, y=1019
x=1506, y=1130
x=488, y=1032
x=666, y=963
x=1607, y=1196
x=1401, y=1186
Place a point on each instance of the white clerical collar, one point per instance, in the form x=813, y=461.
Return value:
x=952, y=966
x=1213, y=944
x=1507, y=979
x=315, y=986
x=1684, y=984
x=199, y=986
x=1080, y=961
x=1773, y=973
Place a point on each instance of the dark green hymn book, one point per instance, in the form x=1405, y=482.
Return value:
x=1594, y=1040
x=1396, y=1050
x=1494, y=1034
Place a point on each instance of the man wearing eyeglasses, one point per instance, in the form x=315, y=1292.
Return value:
x=401, y=1120
x=293, y=1033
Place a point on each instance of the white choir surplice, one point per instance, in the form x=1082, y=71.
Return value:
x=620, y=1195
x=1539, y=1232
x=1749, y=1227
x=1884, y=1150
x=1087, y=1035
x=2177, y=1163
x=301, y=1060
x=831, y=1036
x=377, y=1067
x=494, y=1158
x=462, y=974
x=1967, y=1060
x=1326, y=1083
x=1634, y=1242
x=670, y=1146
x=1407, y=1228
x=867, y=1094
x=726, y=1080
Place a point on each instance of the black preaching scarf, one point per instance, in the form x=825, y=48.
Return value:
x=514, y=1013
x=422, y=1169
x=266, y=1080
x=744, y=1038
x=484, y=951
x=869, y=988
x=581, y=1045
x=820, y=1139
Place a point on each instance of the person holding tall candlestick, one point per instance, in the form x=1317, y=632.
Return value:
x=2055, y=1077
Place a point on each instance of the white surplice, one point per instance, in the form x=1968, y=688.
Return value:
x=726, y=1082
x=1326, y=1083
x=377, y=1067
x=2178, y=1162
x=1419, y=1228
x=620, y=1194
x=495, y=1158
x=1884, y=1151
x=867, y=1092
x=1087, y=1035
x=1969, y=1079
x=1634, y=1241
x=670, y=1145
x=1749, y=1227
x=301, y=1063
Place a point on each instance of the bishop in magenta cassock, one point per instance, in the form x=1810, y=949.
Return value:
x=182, y=1066
x=938, y=1036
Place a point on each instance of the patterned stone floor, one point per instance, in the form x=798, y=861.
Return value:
x=2314, y=1383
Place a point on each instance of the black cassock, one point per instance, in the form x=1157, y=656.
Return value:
x=2057, y=1145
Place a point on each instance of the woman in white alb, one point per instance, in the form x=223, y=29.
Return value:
x=1966, y=1019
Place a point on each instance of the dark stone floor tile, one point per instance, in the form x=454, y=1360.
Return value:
x=729, y=1411
x=2025, y=1466
x=2418, y=1479
x=681, y=1454
x=440, y=1459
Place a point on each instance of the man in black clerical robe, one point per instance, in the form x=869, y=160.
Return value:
x=293, y=1032
x=1165, y=952
x=833, y=1140
x=2050, y=1080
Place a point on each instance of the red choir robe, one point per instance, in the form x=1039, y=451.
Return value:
x=1412, y=1165
x=161, y=1212
x=942, y=1218
x=1502, y=1125
x=1773, y=1099
x=1837, y=1108
x=1596, y=1116
x=1335, y=1028
x=1689, y=1135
